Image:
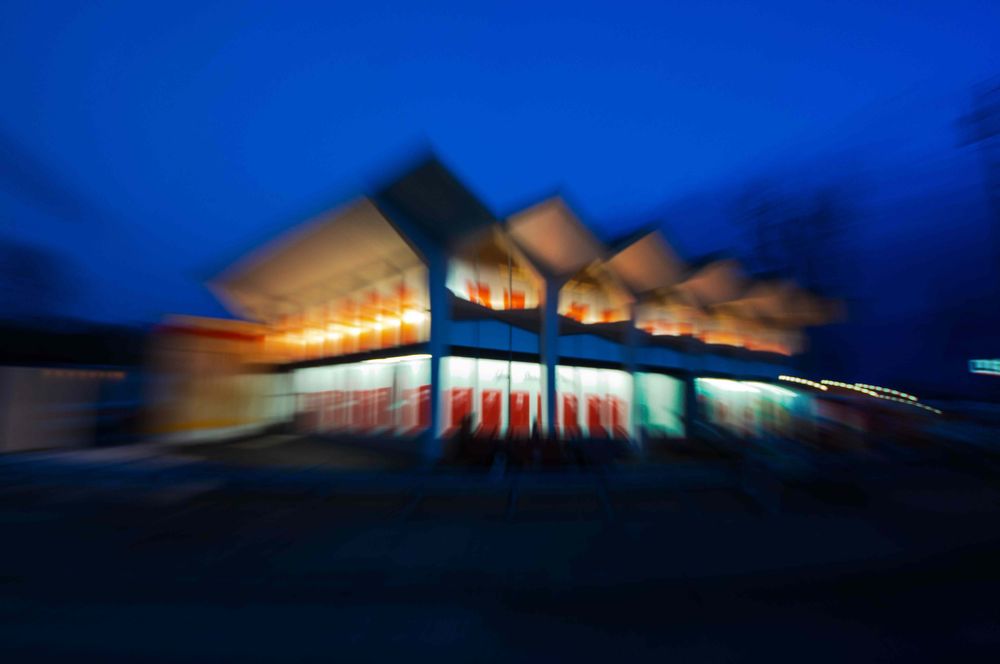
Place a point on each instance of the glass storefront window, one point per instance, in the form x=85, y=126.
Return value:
x=661, y=405
x=593, y=403
x=497, y=396
x=751, y=409
x=386, y=396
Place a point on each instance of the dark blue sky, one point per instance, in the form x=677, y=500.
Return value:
x=189, y=131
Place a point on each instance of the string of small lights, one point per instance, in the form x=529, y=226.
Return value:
x=911, y=403
x=872, y=393
x=803, y=381
x=894, y=393
x=850, y=386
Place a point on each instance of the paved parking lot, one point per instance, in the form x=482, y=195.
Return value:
x=159, y=557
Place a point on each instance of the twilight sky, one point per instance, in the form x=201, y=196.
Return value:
x=151, y=142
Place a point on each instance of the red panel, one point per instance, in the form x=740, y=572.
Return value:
x=594, y=419
x=571, y=414
x=515, y=302
x=491, y=412
x=417, y=413
x=311, y=406
x=416, y=409
x=484, y=295
x=380, y=402
x=460, y=405
x=329, y=412
x=520, y=412
x=618, y=416
x=577, y=311
x=424, y=407
x=479, y=293
x=339, y=409
x=359, y=401
x=369, y=409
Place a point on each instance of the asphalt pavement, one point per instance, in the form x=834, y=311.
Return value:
x=215, y=555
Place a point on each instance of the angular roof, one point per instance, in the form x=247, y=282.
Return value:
x=554, y=238
x=341, y=249
x=327, y=256
x=437, y=202
x=647, y=262
x=782, y=302
x=716, y=281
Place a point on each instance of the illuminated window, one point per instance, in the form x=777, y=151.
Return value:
x=390, y=312
x=386, y=396
x=494, y=275
x=594, y=296
x=664, y=316
x=495, y=395
x=751, y=409
x=661, y=405
x=594, y=403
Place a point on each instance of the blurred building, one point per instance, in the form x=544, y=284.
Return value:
x=409, y=311
x=67, y=406
x=208, y=379
x=67, y=383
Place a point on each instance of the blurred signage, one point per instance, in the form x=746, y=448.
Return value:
x=989, y=367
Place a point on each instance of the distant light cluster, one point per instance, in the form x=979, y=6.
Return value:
x=894, y=393
x=911, y=403
x=804, y=381
x=872, y=391
x=851, y=386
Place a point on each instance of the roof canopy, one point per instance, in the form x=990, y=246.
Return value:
x=647, y=264
x=554, y=238
x=719, y=281
x=781, y=302
x=437, y=202
x=340, y=251
x=322, y=259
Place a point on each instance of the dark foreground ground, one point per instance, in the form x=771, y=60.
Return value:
x=166, y=555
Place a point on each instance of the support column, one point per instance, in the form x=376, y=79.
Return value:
x=550, y=350
x=692, y=413
x=440, y=304
x=692, y=360
x=631, y=367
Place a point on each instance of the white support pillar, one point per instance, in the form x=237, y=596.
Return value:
x=550, y=350
x=440, y=334
x=692, y=409
x=631, y=367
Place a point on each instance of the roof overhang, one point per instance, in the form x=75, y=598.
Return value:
x=717, y=282
x=647, y=264
x=554, y=238
x=322, y=259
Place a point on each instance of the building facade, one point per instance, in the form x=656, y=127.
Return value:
x=413, y=311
